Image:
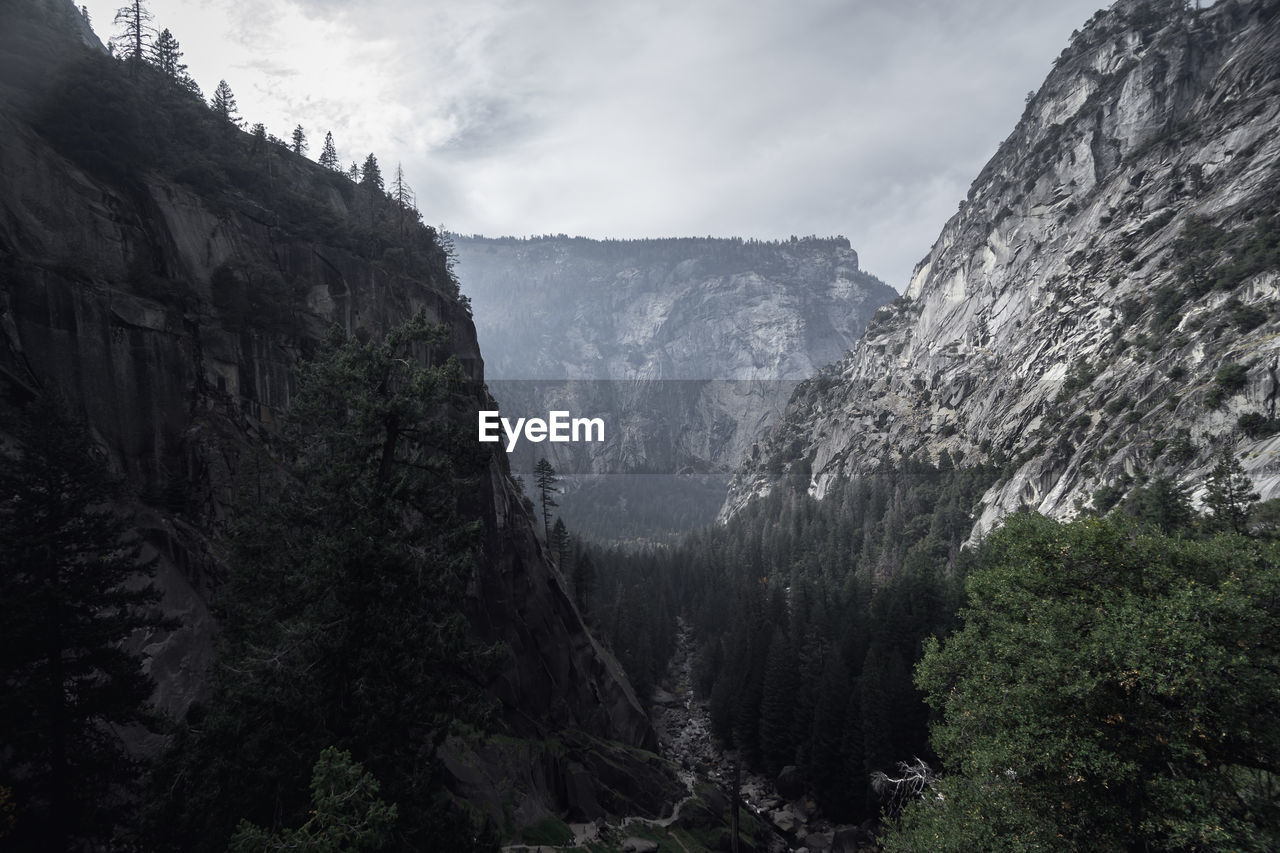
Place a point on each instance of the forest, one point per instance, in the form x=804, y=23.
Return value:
x=1103, y=683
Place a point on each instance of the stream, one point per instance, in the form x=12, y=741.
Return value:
x=683, y=723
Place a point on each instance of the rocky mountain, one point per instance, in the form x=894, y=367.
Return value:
x=163, y=276
x=687, y=348
x=1103, y=306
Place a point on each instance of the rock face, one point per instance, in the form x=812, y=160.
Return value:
x=688, y=349
x=109, y=297
x=1074, y=316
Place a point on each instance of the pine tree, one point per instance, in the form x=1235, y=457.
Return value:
x=370, y=174
x=224, y=104
x=558, y=542
x=584, y=582
x=353, y=172
x=404, y=198
x=166, y=56
x=68, y=580
x=329, y=154
x=132, y=40
x=299, y=146
x=1229, y=493
x=546, y=479
x=352, y=634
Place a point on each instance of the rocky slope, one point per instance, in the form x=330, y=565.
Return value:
x=1082, y=313
x=687, y=348
x=169, y=312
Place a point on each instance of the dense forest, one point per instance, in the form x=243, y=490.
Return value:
x=1119, y=667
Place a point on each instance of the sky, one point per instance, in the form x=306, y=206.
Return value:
x=645, y=118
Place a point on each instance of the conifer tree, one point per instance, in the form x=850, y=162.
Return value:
x=135, y=19
x=353, y=172
x=299, y=145
x=545, y=477
x=370, y=174
x=1229, y=493
x=166, y=55
x=329, y=153
x=353, y=635
x=68, y=580
x=224, y=104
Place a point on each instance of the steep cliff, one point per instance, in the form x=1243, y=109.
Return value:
x=1103, y=305
x=687, y=348
x=163, y=273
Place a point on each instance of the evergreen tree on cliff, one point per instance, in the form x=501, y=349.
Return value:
x=342, y=622
x=329, y=153
x=68, y=580
x=299, y=145
x=371, y=175
x=223, y=104
x=135, y=19
x=545, y=476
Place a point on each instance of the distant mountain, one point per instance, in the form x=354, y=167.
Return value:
x=1104, y=306
x=687, y=348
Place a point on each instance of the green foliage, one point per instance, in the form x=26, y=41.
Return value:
x=342, y=620
x=1256, y=425
x=70, y=583
x=1081, y=377
x=1111, y=689
x=346, y=814
x=809, y=615
x=1231, y=377
x=1229, y=493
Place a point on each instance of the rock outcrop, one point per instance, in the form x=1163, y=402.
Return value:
x=170, y=317
x=1076, y=316
x=688, y=349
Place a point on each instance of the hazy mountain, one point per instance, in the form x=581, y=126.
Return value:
x=687, y=349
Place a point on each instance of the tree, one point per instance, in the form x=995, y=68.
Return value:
x=329, y=153
x=342, y=621
x=584, y=582
x=346, y=813
x=166, y=56
x=1229, y=493
x=69, y=580
x=558, y=542
x=370, y=174
x=545, y=476
x=224, y=104
x=353, y=172
x=404, y=198
x=299, y=141
x=1112, y=689
x=132, y=40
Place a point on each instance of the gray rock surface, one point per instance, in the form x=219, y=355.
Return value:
x=106, y=298
x=1064, y=261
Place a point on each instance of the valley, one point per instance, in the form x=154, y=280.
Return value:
x=293, y=554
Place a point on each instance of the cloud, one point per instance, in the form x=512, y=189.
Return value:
x=649, y=117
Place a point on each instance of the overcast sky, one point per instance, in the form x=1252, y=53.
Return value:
x=646, y=118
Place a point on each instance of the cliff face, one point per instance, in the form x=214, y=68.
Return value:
x=686, y=348
x=1112, y=258
x=171, y=319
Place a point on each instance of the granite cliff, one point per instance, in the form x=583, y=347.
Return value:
x=688, y=349
x=1102, y=307
x=163, y=276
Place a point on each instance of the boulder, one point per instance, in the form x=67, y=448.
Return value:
x=790, y=783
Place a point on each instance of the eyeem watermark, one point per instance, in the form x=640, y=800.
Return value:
x=557, y=427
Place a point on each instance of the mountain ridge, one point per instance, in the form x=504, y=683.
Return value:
x=1045, y=323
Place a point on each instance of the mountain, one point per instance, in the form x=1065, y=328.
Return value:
x=687, y=348
x=163, y=274
x=1102, y=308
